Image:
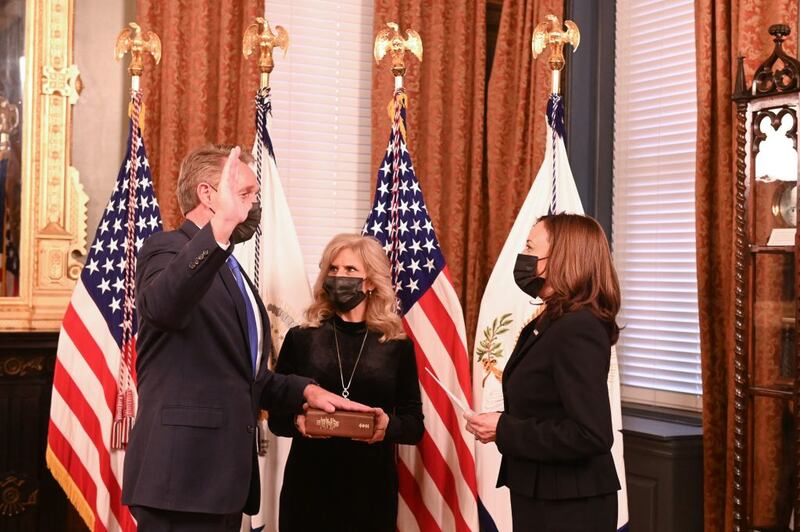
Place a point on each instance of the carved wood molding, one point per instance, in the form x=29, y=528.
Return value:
x=797, y=380
x=740, y=353
x=780, y=72
x=54, y=204
x=773, y=95
x=17, y=494
x=775, y=115
x=26, y=367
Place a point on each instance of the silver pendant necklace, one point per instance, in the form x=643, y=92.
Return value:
x=346, y=389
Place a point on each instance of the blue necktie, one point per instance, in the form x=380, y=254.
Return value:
x=252, y=330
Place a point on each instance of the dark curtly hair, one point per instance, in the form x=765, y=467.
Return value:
x=580, y=273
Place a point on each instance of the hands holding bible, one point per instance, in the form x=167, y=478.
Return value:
x=319, y=398
x=381, y=422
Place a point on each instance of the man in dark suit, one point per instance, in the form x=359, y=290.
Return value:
x=202, y=354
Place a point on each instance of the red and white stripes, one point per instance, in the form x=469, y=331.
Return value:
x=81, y=415
x=438, y=488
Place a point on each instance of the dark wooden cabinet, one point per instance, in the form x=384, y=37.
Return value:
x=30, y=499
x=766, y=376
x=664, y=472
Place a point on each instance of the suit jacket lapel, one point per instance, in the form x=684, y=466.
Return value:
x=190, y=229
x=524, y=348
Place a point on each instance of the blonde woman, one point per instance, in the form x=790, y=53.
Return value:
x=353, y=345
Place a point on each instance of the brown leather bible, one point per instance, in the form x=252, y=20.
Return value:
x=341, y=424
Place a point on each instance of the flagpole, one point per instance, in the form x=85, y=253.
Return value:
x=259, y=36
x=131, y=39
x=389, y=39
x=550, y=34
x=272, y=453
x=396, y=229
x=139, y=43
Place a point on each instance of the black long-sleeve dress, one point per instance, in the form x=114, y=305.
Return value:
x=337, y=484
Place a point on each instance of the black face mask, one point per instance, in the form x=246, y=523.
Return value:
x=245, y=230
x=344, y=292
x=525, y=274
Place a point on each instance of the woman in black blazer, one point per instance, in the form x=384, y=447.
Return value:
x=555, y=431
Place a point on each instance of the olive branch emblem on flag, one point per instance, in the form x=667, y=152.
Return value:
x=490, y=348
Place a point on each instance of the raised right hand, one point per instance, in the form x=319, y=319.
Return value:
x=231, y=206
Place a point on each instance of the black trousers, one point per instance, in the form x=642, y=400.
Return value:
x=155, y=520
x=588, y=514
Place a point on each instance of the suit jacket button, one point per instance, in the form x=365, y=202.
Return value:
x=251, y=429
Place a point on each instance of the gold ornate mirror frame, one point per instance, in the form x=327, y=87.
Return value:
x=53, y=210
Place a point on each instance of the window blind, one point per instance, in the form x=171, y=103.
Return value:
x=653, y=226
x=321, y=125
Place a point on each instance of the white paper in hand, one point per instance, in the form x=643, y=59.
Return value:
x=456, y=400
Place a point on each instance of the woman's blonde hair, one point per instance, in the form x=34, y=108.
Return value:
x=381, y=314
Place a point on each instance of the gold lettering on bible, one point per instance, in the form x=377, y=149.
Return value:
x=327, y=423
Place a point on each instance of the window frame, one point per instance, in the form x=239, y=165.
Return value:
x=589, y=82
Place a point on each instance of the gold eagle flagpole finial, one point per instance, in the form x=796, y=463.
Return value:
x=551, y=33
x=139, y=43
x=389, y=39
x=259, y=36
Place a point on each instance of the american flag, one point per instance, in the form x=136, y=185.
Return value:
x=274, y=260
x=97, y=335
x=437, y=477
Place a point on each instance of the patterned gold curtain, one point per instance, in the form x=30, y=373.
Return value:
x=725, y=29
x=519, y=88
x=203, y=90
